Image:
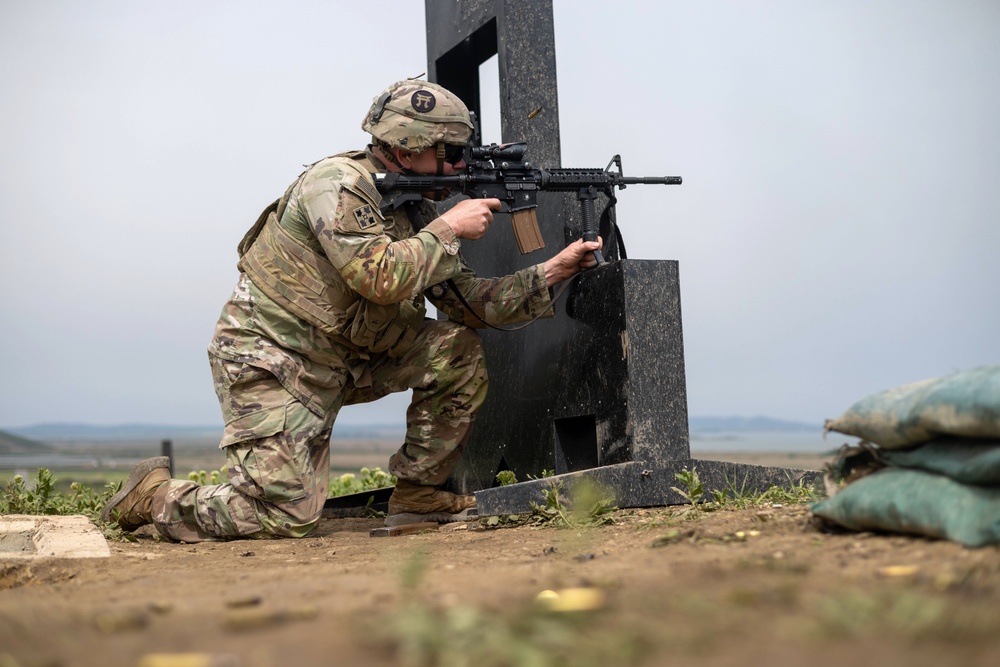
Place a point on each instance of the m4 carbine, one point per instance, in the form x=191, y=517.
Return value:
x=501, y=172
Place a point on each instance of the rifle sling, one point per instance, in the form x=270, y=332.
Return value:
x=552, y=304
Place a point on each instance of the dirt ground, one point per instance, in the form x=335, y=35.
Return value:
x=758, y=586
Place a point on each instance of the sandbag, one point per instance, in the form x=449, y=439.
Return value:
x=913, y=501
x=964, y=460
x=965, y=404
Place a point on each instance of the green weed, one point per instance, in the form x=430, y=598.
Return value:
x=367, y=479
x=794, y=493
x=899, y=612
x=202, y=477
x=462, y=636
x=421, y=634
x=737, y=495
x=506, y=477
x=588, y=505
x=693, y=490
x=42, y=497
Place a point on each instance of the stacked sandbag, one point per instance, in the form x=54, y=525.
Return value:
x=928, y=462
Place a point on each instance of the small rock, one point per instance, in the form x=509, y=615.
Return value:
x=571, y=599
x=188, y=660
x=244, y=601
x=161, y=607
x=252, y=619
x=121, y=620
x=898, y=571
x=672, y=536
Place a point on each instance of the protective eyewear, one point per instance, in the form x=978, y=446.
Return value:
x=453, y=154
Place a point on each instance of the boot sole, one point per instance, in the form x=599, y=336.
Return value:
x=139, y=472
x=436, y=517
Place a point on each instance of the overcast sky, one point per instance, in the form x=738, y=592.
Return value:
x=838, y=228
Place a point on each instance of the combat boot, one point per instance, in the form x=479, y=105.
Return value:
x=132, y=506
x=416, y=503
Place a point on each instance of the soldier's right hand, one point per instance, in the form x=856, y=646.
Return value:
x=470, y=218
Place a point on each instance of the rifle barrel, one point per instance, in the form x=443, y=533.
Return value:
x=650, y=180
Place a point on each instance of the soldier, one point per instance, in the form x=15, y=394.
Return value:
x=329, y=311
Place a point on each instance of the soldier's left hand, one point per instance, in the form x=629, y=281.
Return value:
x=574, y=258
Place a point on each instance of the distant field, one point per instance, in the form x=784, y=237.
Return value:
x=97, y=463
x=107, y=462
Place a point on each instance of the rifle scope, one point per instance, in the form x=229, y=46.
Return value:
x=510, y=152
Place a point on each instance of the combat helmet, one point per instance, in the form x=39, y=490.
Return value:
x=417, y=115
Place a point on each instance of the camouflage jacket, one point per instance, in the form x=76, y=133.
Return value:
x=362, y=269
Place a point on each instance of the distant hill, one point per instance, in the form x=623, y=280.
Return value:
x=15, y=444
x=54, y=432
x=749, y=425
x=61, y=432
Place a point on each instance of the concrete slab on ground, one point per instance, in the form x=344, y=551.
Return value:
x=28, y=537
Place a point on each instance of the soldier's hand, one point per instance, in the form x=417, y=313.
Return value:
x=470, y=218
x=577, y=256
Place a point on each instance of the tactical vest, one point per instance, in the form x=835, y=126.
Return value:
x=305, y=283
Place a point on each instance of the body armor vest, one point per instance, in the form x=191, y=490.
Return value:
x=304, y=282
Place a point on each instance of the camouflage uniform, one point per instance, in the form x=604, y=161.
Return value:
x=328, y=311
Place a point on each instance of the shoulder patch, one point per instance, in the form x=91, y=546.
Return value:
x=366, y=188
x=365, y=216
x=358, y=181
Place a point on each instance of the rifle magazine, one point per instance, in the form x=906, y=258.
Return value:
x=526, y=230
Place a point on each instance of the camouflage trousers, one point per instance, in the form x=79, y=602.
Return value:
x=277, y=450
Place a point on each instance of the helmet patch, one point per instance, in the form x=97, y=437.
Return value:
x=423, y=101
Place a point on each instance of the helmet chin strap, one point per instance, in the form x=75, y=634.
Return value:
x=440, y=158
x=387, y=153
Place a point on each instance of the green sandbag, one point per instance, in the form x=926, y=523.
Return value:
x=964, y=460
x=922, y=503
x=964, y=404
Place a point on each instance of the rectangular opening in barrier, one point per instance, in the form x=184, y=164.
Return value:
x=576, y=443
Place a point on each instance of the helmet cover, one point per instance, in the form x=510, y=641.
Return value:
x=417, y=115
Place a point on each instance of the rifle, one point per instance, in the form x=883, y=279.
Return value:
x=501, y=172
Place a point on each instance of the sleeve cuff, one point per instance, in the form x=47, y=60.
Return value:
x=440, y=229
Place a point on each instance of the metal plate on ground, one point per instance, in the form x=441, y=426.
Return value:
x=408, y=529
